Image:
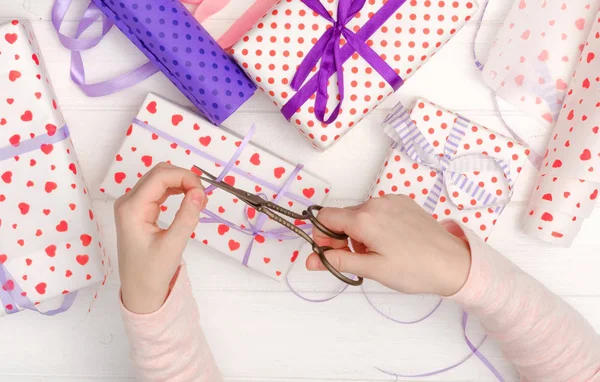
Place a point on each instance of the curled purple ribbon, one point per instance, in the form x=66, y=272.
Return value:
x=332, y=56
x=449, y=168
x=11, y=294
x=78, y=44
x=255, y=229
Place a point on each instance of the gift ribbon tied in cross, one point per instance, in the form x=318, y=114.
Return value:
x=450, y=169
x=11, y=294
x=254, y=230
x=332, y=55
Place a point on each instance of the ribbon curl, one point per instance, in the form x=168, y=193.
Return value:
x=328, y=49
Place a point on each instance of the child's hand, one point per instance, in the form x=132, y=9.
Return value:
x=397, y=243
x=150, y=256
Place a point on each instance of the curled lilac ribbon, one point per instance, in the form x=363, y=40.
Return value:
x=228, y=167
x=449, y=168
x=332, y=56
x=78, y=44
x=11, y=294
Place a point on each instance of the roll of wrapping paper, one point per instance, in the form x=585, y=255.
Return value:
x=569, y=182
x=174, y=41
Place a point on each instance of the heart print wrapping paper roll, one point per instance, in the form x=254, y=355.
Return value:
x=567, y=189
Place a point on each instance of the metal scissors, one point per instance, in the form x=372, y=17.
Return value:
x=275, y=212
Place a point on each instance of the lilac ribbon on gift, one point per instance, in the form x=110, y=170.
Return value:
x=254, y=230
x=449, y=168
x=11, y=294
x=332, y=56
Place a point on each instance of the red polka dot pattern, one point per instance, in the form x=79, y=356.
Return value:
x=406, y=41
x=415, y=180
x=535, y=53
x=50, y=240
x=141, y=150
x=567, y=190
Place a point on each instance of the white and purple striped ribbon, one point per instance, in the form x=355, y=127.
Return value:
x=449, y=168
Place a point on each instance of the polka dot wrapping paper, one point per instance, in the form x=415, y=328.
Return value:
x=535, y=53
x=49, y=241
x=173, y=40
x=454, y=168
x=278, y=44
x=567, y=190
x=164, y=131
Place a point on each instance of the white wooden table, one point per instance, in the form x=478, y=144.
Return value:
x=258, y=330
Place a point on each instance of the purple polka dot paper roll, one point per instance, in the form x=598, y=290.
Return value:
x=172, y=39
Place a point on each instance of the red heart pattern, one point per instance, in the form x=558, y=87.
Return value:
x=220, y=144
x=44, y=202
x=400, y=175
x=571, y=169
x=365, y=88
x=531, y=65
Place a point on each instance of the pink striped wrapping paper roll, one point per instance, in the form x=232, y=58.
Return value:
x=569, y=182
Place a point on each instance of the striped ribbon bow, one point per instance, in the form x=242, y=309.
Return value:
x=452, y=171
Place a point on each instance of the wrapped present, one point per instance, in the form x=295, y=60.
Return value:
x=569, y=182
x=535, y=52
x=174, y=42
x=50, y=242
x=454, y=168
x=366, y=51
x=163, y=131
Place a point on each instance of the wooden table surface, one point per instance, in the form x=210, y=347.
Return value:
x=258, y=330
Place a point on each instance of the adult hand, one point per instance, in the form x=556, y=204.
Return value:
x=149, y=256
x=397, y=244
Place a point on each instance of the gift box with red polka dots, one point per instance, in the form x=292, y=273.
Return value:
x=165, y=132
x=49, y=241
x=271, y=52
x=465, y=171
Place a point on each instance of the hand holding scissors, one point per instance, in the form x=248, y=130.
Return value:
x=276, y=213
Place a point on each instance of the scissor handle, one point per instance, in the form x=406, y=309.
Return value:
x=320, y=251
x=310, y=215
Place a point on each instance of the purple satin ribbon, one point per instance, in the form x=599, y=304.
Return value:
x=78, y=44
x=11, y=294
x=409, y=138
x=332, y=56
x=255, y=229
x=33, y=144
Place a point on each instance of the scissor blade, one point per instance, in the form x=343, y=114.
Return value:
x=200, y=172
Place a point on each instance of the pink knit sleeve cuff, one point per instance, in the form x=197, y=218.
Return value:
x=147, y=325
x=471, y=292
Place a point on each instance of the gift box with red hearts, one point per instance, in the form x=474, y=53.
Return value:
x=454, y=168
x=165, y=132
x=50, y=243
x=383, y=43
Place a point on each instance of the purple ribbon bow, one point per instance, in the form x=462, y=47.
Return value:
x=328, y=49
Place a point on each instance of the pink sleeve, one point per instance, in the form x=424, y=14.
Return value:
x=168, y=344
x=543, y=336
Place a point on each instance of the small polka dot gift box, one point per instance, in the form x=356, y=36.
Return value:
x=163, y=131
x=328, y=63
x=49, y=241
x=535, y=53
x=454, y=168
x=180, y=47
x=567, y=190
